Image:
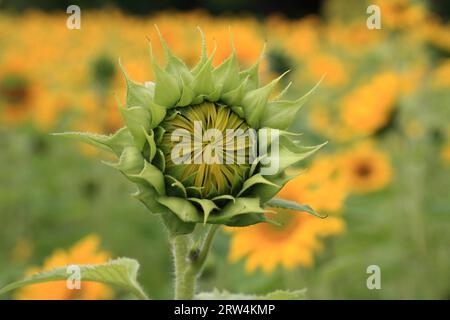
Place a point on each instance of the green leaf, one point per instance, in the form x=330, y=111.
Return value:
x=114, y=143
x=292, y=205
x=120, y=272
x=275, y=295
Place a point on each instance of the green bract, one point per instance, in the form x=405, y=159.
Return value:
x=221, y=97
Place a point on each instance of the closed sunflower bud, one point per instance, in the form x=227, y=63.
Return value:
x=196, y=143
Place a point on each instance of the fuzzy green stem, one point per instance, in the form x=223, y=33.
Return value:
x=180, y=251
x=189, y=263
x=198, y=262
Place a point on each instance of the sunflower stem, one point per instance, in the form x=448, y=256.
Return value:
x=180, y=249
x=198, y=260
x=189, y=263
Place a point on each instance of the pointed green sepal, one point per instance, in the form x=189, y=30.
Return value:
x=175, y=225
x=150, y=137
x=255, y=101
x=266, y=192
x=203, y=54
x=291, y=205
x=130, y=161
x=235, y=96
x=137, y=120
x=157, y=113
x=174, y=187
x=206, y=205
x=203, y=83
x=167, y=88
x=187, y=95
x=288, y=154
x=137, y=94
x=175, y=66
x=151, y=175
x=254, y=180
x=242, y=206
x=227, y=73
x=147, y=195
x=114, y=143
x=159, y=160
x=253, y=72
x=279, y=114
x=182, y=208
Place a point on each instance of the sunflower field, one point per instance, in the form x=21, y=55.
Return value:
x=382, y=104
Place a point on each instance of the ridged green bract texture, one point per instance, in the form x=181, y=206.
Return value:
x=176, y=86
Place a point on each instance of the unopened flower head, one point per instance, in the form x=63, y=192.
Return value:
x=204, y=145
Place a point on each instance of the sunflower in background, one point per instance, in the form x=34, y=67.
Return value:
x=441, y=75
x=445, y=153
x=369, y=107
x=85, y=251
x=16, y=96
x=289, y=245
x=366, y=168
x=329, y=65
x=295, y=241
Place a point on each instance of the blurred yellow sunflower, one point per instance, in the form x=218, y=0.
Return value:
x=83, y=252
x=322, y=186
x=290, y=245
x=366, y=168
x=22, y=251
x=445, y=153
x=319, y=65
x=441, y=75
x=402, y=14
x=369, y=107
x=295, y=241
x=17, y=94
